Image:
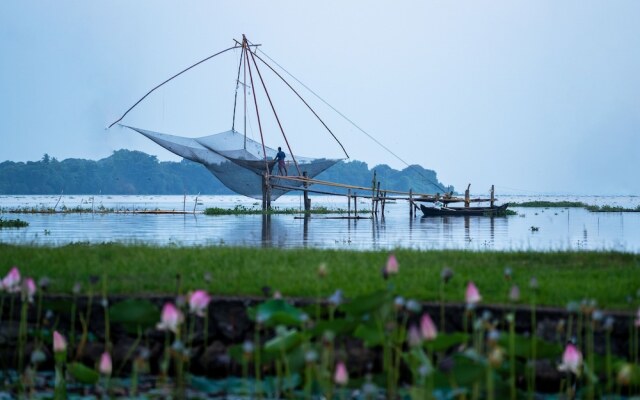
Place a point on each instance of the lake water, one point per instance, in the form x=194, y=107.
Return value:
x=558, y=228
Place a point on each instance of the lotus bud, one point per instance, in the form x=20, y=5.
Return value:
x=277, y=295
x=310, y=356
x=44, y=283
x=341, y=376
x=59, y=343
x=11, y=282
x=624, y=374
x=336, y=298
x=38, y=356
x=514, y=293
x=76, y=288
x=28, y=290
x=170, y=319
x=496, y=357
x=428, y=328
x=198, y=302
x=446, y=275
x=472, y=295
x=322, y=270
x=105, y=364
x=413, y=337
x=392, y=266
x=398, y=303
x=508, y=273
x=413, y=306
x=571, y=360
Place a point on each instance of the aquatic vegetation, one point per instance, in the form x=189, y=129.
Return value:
x=255, y=210
x=332, y=354
x=608, y=208
x=13, y=223
x=549, y=204
x=574, y=204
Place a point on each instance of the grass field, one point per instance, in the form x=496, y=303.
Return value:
x=612, y=279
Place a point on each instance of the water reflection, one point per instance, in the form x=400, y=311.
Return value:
x=558, y=229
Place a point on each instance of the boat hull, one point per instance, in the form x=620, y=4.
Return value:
x=463, y=211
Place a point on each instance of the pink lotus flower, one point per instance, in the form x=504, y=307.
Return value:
x=428, y=328
x=59, y=343
x=198, y=302
x=341, y=376
x=472, y=295
x=29, y=289
x=571, y=360
x=11, y=282
x=105, y=364
x=392, y=265
x=414, y=337
x=171, y=318
x=514, y=293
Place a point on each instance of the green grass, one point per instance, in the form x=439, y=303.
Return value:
x=608, y=278
x=13, y=223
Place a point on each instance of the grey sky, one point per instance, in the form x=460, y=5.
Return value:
x=532, y=96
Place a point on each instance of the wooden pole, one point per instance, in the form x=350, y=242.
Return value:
x=373, y=193
x=307, y=201
x=466, y=197
x=355, y=204
x=377, y=197
x=410, y=203
x=384, y=196
x=349, y=203
x=264, y=192
x=493, y=199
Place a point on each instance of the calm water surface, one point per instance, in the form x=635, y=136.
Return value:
x=558, y=228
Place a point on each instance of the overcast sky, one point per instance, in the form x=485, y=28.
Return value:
x=536, y=97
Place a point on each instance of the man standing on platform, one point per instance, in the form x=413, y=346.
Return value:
x=281, y=165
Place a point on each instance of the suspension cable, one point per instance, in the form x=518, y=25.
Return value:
x=174, y=76
x=348, y=120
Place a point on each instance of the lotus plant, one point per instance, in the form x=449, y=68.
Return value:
x=428, y=328
x=170, y=318
x=60, y=355
x=11, y=282
x=572, y=364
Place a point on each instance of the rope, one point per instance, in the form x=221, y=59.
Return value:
x=175, y=76
x=353, y=123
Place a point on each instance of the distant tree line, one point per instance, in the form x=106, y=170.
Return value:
x=135, y=172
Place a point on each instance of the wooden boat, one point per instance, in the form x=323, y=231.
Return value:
x=454, y=211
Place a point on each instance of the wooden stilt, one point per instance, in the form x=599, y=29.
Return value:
x=307, y=200
x=355, y=204
x=377, y=197
x=268, y=192
x=373, y=193
x=410, y=203
x=467, y=199
x=264, y=192
x=349, y=203
x=384, y=195
x=493, y=199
